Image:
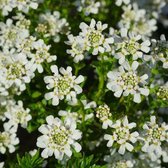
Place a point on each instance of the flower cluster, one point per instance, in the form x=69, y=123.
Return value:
x=58, y=138
x=122, y=135
x=137, y=20
x=8, y=139
x=91, y=39
x=8, y=5
x=76, y=72
x=129, y=45
x=88, y=7
x=162, y=92
x=64, y=85
x=154, y=136
x=103, y=114
x=126, y=81
x=51, y=25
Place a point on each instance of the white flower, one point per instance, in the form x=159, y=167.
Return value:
x=64, y=85
x=89, y=105
x=6, y=7
x=103, y=114
x=33, y=152
x=24, y=5
x=72, y=116
x=162, y=92
x=159, y=51
x=41, y=55
x=119, y=2
x=15, y=71
x=137, y=20
x=2, y=164
x=115, y=160
x=88, y=6
x=18, y=115
x=129, y=45
x=58, y=138
x=122, y=136
x=163, y=51
x=153, y=137
x=128, y=82
x=51, y=25
x=77, y=47
x=94, y=38
x=8, y=139
x=10, y=34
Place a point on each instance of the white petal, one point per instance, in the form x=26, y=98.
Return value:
x=121, y=149
x=144, y=91
x=77, y=147
x=55, y=101
x=118, y=93
x=124, y=32
x=44, y=153
x=79, y=79
x=54, y=69
x=135, y=65
x=137, y=98
x=129, y=147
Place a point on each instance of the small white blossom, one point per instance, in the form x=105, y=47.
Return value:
x=15, y=71
x=78, y=47
x=10, y=34
x=16, y=114
x=42, y=54
x=89, y=7
x=126, y=81
x=162, y=92
x=103, y=114
x=8, y=139
x=2, y=164
x=22, y=5
x=137, y=20
x=51, y=25
x=153, y=137
x=64, y=85
x=58, y=138
x=119, y=2
x=122, y=135
x=129, y=45
x=94, y=38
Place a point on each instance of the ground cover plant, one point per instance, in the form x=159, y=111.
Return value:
x=83, y=84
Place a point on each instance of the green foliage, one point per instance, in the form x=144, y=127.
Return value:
x=28, y=161
x=84, y=162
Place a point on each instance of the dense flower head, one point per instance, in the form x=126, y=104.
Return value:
x=64, y=85
x=22, y=5
x=88, y=7
x=90, y=39
x=122, y=135
x=153, y=137
x=126, y=81
x=129, y=45
x=103, y=114
x=120, y=2
x=8, y=139
x=162, y=92
x=15, y=71
x=16, y=114
x=51, y=25
x=76, y=71
x=159, y=51
x=58, y=138
x=137, y=20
